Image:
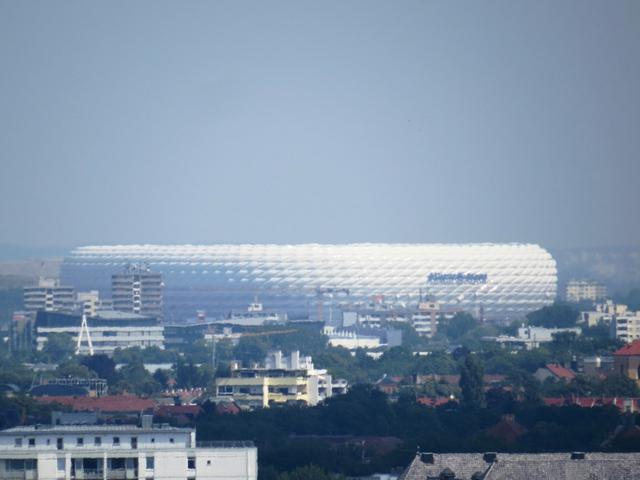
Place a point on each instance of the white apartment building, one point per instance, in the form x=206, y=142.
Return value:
x=121, y=452
x=281, y=380
x=48, y=295
x=626, y=327
x=603, y=313
x=579, y=290
x=88, y=302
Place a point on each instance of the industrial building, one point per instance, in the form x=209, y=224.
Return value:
x=504, y=281
x=58, y=452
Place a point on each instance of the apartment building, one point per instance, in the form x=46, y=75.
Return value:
x=48, y=295
x=138, y=290
x=281, y=379
x=579, y=290
x=121, y=452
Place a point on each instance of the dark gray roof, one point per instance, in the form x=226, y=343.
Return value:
x=559, y=466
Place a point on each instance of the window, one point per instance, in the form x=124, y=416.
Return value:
x=208, y=463
x=116, y=441
x=59, y=443
x=61, y=464
x=17, y=442
x=153, y=440
x=97, y=441
x=191, y=463
x=134, y=442
x=171, y=440
x=150, y=463
x=79, y=441
x=32, y=442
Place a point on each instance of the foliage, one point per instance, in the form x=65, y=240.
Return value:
x=309, y=472
x=102, y=365
x=134, y=378
x=10, y=301
x=471, y=385
x=560, y=315
x=459, y=325
x=58, y=348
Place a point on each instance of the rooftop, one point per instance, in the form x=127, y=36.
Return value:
x=632, y=348
x=53, y=429
x=559, y=466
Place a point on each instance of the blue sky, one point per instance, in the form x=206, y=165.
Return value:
x=336, y=121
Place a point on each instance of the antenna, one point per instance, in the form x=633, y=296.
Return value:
x=84, y=327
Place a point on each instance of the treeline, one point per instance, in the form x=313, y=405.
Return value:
x=289, y=437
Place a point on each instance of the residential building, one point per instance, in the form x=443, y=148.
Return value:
x=602, y=313
x=505, y=281
x=138, y=290
x=522, y=466
x=75, y=452
x=281, y=379
x=626, y=327
x=555, y=371
x=580, y=290
x=48, y=295
x=88, y=302
x=108, y=330
x=626, y=361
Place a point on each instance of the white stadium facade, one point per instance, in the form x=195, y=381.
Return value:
x=505, y=280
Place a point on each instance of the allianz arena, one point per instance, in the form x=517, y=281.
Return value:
x=505, y=280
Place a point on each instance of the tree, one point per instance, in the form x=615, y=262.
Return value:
x=557, y=315
x=460, y=324
x=310, y=472
x=471, y=383
x=58, y=348
x=104, y=366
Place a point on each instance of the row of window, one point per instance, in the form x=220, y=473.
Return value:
x=80, y=442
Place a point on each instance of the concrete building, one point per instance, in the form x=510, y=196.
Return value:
x=292, y=379
x=108, y=330
x=626, y=327
x=110, y=452
x=88, y=302
x=48, y=295
x=580, y=290
x=138, y=290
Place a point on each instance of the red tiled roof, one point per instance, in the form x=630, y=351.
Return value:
x=560, y=371
x=108, y=403
x=622, y=403
x=434, y=401
x=632, y=348
x=169, y=410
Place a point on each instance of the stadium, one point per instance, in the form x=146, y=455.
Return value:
x=505, y=280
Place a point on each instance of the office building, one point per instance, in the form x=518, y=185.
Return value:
x=581, y=290
x=626, y=327
x=88, y=302
x=505, y=281
x=281, y=379
x=48, y=295
x=137, y=290
x=108, y=330
x=77, y=452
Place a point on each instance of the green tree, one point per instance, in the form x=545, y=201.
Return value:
x=310, y=472
x=58, y=348
x=460, y=324
x=471, y=383
x=104, y=366
x=557, y=315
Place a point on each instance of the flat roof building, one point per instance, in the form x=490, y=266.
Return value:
x=57, y=452
x=108, y=330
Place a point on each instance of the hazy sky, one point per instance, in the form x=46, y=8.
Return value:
x=336, y=121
